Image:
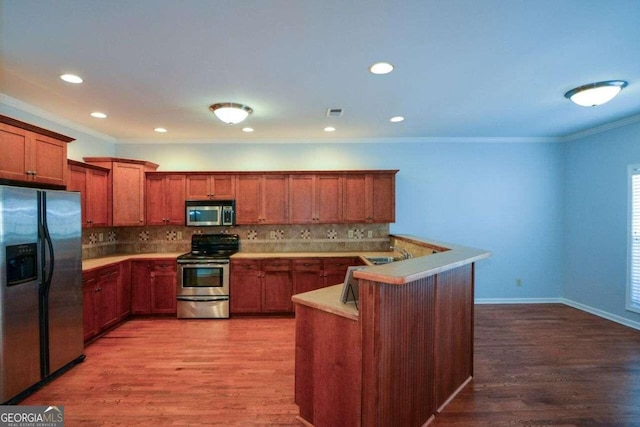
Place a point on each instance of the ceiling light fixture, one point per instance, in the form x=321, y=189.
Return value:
x=98, y=115
x=230, y=112
x=247, y=129
x=381, y=68
x=71, y=78
x=396, y=119
x=329, y=129
x=595, y=94
x=160, y=130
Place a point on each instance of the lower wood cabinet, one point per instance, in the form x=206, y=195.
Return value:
x=100, y=289
x=153, y=286
x=261, y=286
x=310, y=274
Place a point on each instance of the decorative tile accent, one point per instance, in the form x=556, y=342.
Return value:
x=252, y=235
x=143, y=236
x=305, y=234
x=358, y=233
x=332, y=234
x=93, y=238
x=278, y=234
x=172, y=235
x=111, y=236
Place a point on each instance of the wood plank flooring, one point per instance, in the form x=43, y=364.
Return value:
x=534, y=365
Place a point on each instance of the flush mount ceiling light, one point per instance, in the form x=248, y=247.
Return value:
x=381, y=68
x=230, y=112
x=98, y=115
x=160, y=130
x=595, y=94
x=396, y=119
x=71, y=78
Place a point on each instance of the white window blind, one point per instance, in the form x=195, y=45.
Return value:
x=633, y=290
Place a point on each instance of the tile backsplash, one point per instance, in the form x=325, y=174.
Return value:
x=100, y=242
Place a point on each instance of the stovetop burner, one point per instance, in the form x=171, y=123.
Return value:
x=211, y=246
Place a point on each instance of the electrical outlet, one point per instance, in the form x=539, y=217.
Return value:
x=518, y=282
x=100, y=237
x=179, y=235
x=350, y=234
x=272, y=234
x=370, y=234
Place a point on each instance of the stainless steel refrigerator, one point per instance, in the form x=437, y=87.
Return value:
x=40, y=288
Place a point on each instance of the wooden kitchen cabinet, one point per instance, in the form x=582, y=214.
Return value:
x=262, y=199
x=124, y=290
x=369, y=197
x=93, y=184
x=165, y=197
x=153, y=286
x=310, y=274
x=261, y=286
x=315, y=199
x=127, y=186
x=100, y=300
x=32, y=154
x=211, y=187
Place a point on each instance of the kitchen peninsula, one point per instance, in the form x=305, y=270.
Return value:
x=403, y=355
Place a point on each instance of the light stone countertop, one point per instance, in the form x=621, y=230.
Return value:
x=93, y=263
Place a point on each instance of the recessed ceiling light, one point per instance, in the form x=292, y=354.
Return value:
x=71, y=78
x=160, y=130
x=396, y=119
x=247, y=129
x=98, y=115
x=381, y=68
x=329, y=129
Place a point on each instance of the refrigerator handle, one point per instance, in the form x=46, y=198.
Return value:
x=47, y=240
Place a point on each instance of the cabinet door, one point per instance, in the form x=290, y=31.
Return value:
x=49, y=159
x=336, y=268
x=355, y=198
x=140, y=287
x=89, y=311
x=163, y=288
x=174, y=201
x=275, y=199
x=383, y=198
x=97, y=198
x=108, y=297
x=198, y=187
x=124, y=290
x=246, y=287
x=328, y=199
x=307, y=275
x=155, y=196
x=301, y=199
x=248, y=202
x=14, y=153
x=128, y=194
x=77, y=181
x=277, y=291
x=223, y=187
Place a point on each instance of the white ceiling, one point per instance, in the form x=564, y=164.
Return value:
x=464, y=68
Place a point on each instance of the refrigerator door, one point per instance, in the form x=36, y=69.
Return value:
x=63, y=221
x=19, y=328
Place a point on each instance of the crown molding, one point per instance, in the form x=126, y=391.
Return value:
x=46, y=115
x=602, y=128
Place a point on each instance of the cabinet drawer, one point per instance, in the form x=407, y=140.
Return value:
x=245, y=265
x=307, y=264
x=160, y=265
x=276, y=265
x=339, y=263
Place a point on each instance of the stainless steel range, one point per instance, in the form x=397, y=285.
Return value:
x=203, y=276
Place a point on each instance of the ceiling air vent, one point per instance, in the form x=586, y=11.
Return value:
x=334, y=112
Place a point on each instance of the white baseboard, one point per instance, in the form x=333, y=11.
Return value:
x=597, y=312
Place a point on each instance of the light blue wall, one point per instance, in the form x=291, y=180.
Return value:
x=596, y=212
x=503, y=197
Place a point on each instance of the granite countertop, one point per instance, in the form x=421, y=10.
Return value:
x=328, y=299
x=93, y=263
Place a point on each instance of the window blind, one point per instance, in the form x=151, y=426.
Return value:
x=633, y=293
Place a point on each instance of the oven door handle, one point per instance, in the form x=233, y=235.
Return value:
x=203, y=299
x=204, y=265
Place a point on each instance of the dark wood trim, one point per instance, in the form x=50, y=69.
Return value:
x=34, y=128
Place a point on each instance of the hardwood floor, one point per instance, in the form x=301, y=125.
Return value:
x=534, y=365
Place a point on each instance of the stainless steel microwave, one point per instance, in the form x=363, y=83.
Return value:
x=209, y=213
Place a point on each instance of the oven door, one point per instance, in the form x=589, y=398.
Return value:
x=203, y=278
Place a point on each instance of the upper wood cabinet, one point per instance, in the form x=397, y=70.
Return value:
x=369, y=197
x=165, y=199
x=127, y=182
x=315, y=199
x=32, y=154
x=211, y=187
x=262, y=199
x=93, y=184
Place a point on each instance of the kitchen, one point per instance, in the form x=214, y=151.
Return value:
x=466, y=189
